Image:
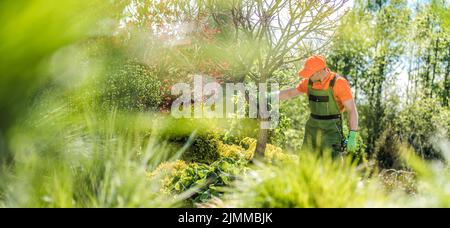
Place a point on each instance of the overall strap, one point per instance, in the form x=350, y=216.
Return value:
x=310, y=84
x=331, y=91
x=333, y=81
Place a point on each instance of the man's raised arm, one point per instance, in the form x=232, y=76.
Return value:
x=289, y=93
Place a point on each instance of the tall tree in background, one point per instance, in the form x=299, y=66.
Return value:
x=392, y=19
x=349, y=49
x=429, y=56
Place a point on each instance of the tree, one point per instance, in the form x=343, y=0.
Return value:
x=350, y=47
x=430, y=59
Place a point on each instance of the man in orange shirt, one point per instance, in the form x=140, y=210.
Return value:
x=329, y=96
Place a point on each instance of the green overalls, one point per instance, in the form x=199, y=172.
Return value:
x=323, y=130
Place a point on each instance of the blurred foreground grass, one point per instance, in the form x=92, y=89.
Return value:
x=76, y=130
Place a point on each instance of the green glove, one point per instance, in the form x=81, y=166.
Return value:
x=352, y=142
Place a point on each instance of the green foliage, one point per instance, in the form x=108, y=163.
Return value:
x=82, y=160
x=246, y=149
x=350, y=48
x=441, y=9
x=433, y=178
x=422, y=125
x=237, y=129
x=369, y=55
x=234, y=151
x=272, y=154
x=429, y=50
x=309, y=182
x=204, y=181
x=30, y=32
x=293, y=113
x=201, y=181
x=290, y=131
x=131, y=86
x=204, y=149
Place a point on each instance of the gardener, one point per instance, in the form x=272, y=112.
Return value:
x=329, y=96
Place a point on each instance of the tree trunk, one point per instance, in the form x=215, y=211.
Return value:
x=436, y=47
x=446, y=81
x=263, y=133
x=356, y=85
x=427, y=74
x=409, y=84
x=262, y=141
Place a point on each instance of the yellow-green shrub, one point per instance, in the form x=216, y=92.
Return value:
x=205, y=181
x=204, y=149
x=272, y=153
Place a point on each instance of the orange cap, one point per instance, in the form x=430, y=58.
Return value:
x=312, y=65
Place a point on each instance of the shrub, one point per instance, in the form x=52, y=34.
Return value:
x=166, y=171
x=131, y=86
x=204, y=149
x=205, y=181
x=272, y=153
x=421, y=125
x=234, y=151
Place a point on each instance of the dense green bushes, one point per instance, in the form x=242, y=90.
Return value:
x=131, y=86
x=204, y=149
x=313, y=181
x=422, y=125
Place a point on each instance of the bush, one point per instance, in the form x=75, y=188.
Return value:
x=421, y=125
x=272, y=153
x=204, y=149
x=234, y=151
x=131, y=86
x=205, y=181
